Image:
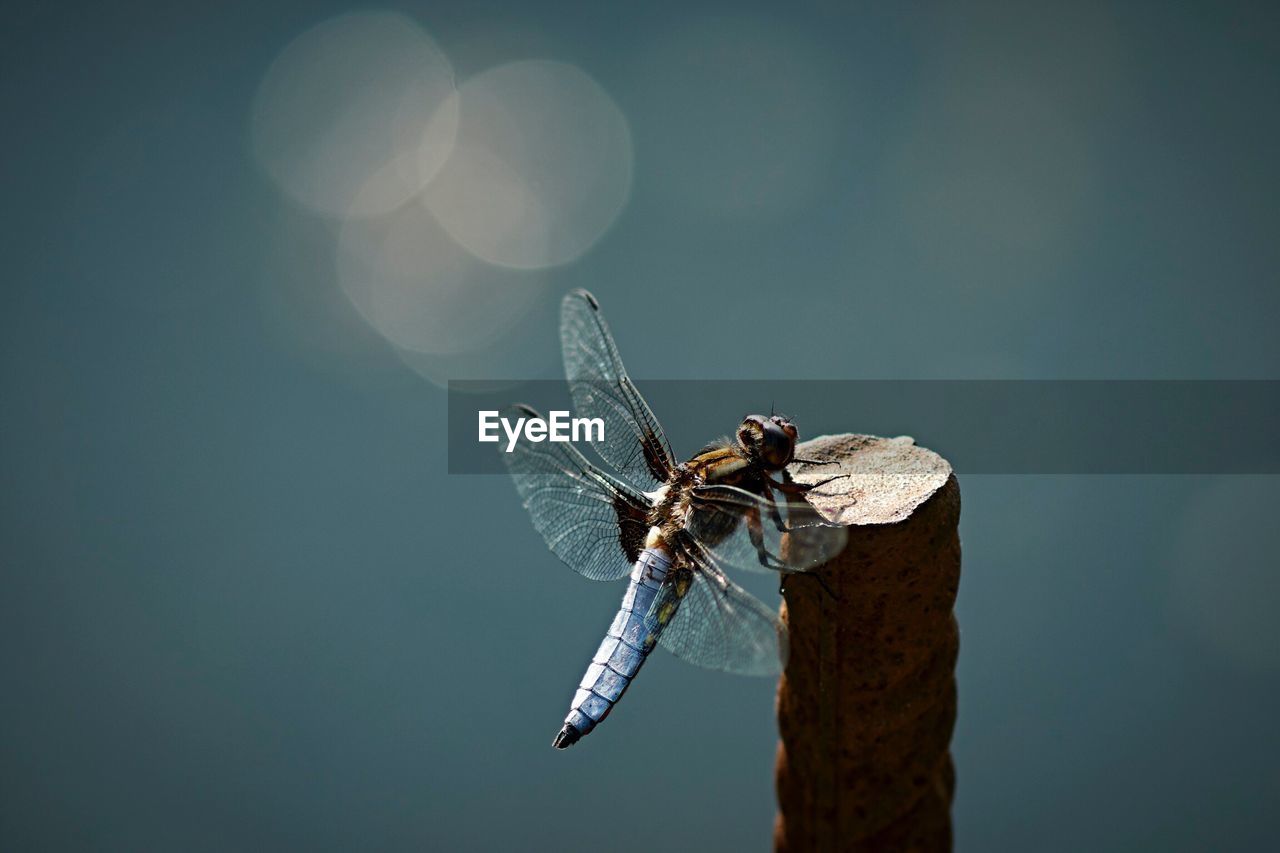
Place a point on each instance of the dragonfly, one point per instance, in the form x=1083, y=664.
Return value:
x=673, y=528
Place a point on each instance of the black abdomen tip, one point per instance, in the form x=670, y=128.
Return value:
x=568, y=737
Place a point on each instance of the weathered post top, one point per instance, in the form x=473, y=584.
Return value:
x=867, y=702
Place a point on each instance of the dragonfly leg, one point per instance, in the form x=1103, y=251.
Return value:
x=789, y=486
x=774, y=515
x=785, y=576
x=755, y=530
x=794, y=488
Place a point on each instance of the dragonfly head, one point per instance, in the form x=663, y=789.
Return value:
x=768, y=440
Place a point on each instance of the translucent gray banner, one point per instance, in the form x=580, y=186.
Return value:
x=980, y=426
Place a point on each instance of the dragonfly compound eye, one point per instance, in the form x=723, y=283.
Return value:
x=787, y=427
x=778, y=445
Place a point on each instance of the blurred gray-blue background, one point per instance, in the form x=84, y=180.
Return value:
x=244, y=246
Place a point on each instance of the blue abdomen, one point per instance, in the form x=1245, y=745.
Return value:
x=631, y=637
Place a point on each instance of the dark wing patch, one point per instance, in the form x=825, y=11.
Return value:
x=591, y=520
x=633, y=525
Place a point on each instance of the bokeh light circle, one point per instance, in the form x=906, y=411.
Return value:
x=540, y=169
x=356, y=114
x=421, y=291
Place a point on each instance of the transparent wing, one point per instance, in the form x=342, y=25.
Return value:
x=746, y=531
x=633, y=441
x=719, y=625
x=589, y=519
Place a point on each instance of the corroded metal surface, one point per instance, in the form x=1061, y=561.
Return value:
x=868, y=699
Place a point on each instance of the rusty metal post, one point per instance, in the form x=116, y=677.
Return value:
x=867, y=702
